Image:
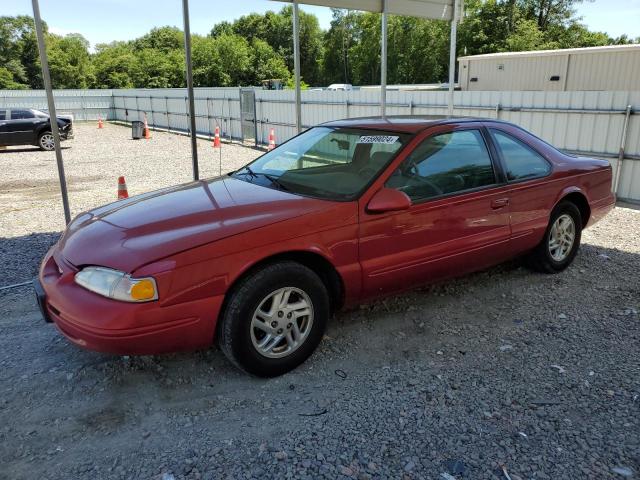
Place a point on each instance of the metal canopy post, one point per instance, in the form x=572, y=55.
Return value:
x=452, y=55
x=383, y=61
x=53, y=119
x=192, y=108
x=296, y=64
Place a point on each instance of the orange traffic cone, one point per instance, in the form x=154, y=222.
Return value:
x=147, y=134
x=216, y=138
x=272, y=139
x=99, y=121
x=122, y=189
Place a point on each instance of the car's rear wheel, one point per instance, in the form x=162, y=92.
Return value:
x=46, y=142
x=561, y=240
x=274, y=319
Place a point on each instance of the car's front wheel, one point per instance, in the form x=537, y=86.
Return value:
x=45, y=141
x=561, y=240
x=274, y=319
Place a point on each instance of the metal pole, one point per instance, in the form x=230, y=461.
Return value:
x=166, y=110
x=53, y=119
x=452, y=55
x=383, y=63
x=296, y=64
x=192, y=107
x=153, y=123
x=209, y=125
x=623, y=142
x=230, y=126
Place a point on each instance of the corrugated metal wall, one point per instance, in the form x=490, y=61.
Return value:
x=529, y=73
x=586, y=122
x=167, y=108
x=599, y=70
x=82, y=104
x=604, y=71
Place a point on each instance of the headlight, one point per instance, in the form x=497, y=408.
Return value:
x=117, y=285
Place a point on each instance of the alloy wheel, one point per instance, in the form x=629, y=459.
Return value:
x=282, y=322
x=561, y=237
x=46, y=141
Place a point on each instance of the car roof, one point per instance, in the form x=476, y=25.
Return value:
x=400, y=123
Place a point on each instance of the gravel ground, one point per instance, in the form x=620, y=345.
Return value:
x=501, y=371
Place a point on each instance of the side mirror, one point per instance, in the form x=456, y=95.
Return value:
x=388, y=200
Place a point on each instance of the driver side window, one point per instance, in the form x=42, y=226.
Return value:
x=445, y=164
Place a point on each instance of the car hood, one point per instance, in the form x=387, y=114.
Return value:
x=128, y=234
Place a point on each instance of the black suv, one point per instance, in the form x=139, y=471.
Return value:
x=26, y=126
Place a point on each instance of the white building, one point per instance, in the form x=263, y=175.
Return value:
x=609, y=68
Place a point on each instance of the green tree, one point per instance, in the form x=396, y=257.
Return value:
x=527, y=36
x=163, y=39
x=265, y=63
x=276, y=29
x=7, y=80
x=19, y=50
x=114, y=65
x=158, y=69
x=486, y=26
x=547, y=13
x=207, y=67
x=69, y=61
x=337, y=43
x=234, y=55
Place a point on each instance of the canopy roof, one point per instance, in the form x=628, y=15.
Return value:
x=434, y=9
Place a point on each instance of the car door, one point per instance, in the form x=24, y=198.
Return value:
x=458, y=221
x=21, y=126
x=4, y=127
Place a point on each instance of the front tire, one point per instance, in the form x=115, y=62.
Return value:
x=274, y=319
x=561, y=240
x=46, y=142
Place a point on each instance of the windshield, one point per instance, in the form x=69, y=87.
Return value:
x=326, y=162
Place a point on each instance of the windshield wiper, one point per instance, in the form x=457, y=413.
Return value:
x=247, y=171
x=272, y=178
x=275, y=180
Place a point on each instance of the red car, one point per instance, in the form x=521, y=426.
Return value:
x=345, y=212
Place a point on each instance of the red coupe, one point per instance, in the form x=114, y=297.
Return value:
x=345, y=212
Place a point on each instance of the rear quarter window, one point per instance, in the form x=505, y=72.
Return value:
x=521, y=161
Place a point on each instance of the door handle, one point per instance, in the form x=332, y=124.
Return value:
x=499, y=203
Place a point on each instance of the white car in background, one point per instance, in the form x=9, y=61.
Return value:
x=344, y=87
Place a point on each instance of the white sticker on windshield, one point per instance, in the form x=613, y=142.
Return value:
x=384, y=139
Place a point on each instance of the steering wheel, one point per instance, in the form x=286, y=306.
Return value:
x=420, y=181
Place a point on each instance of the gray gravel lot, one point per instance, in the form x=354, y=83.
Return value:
x=501, y=371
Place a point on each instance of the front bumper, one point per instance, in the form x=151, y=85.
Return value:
x=41, y=298
x=66, y=135
x=105, y=325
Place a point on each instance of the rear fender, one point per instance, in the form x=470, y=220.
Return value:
x=568, y=190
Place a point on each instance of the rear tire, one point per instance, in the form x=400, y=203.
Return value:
x=561, y=240
x=274, y=319
x=46, y=142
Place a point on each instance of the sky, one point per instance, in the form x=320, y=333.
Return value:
x=102, y=21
